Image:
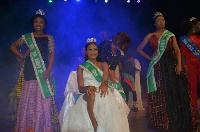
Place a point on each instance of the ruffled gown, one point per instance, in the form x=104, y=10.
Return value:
x=110, y=111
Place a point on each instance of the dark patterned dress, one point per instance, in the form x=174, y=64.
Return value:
x=169, y=107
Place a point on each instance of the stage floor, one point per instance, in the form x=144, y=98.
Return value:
x=137, y=122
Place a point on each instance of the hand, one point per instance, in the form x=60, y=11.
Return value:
x=46, y=74
x=22, y=57
x=186, y=70
x=91, y=90
x=178, y=69
x=154, y=54
x=27, y=53
x=103, y=88
x=187, y=73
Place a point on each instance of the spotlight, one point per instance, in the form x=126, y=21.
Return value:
x=50, y=1
x=138, y=1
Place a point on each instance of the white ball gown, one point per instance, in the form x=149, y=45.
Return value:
x=111, y=111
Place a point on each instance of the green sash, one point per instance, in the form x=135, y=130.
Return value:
x=39, y=66
x=97, y=75
x=129, y=80
x=162, y=42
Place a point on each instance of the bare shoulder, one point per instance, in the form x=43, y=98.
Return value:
x=79, y=69
x=49, y=35
x=149, y=35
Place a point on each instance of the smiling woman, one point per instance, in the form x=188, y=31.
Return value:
x=99, y=107
x=169, y=106
x=36, y=110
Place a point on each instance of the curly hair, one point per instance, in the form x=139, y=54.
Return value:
x=121, y=40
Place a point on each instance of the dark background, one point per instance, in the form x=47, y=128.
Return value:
x=71, y=23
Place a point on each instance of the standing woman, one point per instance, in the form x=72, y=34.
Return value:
x=36, y=110
x=168, y=101
x=190, y=51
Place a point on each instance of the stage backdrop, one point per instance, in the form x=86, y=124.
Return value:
x=71, y=23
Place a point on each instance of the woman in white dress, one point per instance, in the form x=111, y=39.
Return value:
x=97, y=109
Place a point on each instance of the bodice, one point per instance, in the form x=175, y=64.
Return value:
x=89, y=79
x=154, y=43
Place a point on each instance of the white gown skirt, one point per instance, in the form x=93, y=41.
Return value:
x=111, y=114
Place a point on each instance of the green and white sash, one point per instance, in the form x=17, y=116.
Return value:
x=162, y=43
x=97, y=75
x=38, y=65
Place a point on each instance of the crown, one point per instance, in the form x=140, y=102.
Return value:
x=192, y=19
x=40, y=12
x=157, y=14
x=91, y=40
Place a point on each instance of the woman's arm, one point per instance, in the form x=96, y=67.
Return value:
x=183, y=52
x=89, y=90
x=105, y=72
x=103, y=88
x=51, y=57
x=49, y=69
x=51, y=52
x=80, y=80
x=15, y=51
x=51, y=61
x=143, y=44
x=178, y=68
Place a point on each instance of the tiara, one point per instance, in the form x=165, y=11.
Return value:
x=192, y=19
x=157, y=14
x=91, y=40
x=40, y=12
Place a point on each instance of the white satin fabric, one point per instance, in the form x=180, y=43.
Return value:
x=111, y=112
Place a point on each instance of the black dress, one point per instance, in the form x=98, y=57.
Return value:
x=169, y=107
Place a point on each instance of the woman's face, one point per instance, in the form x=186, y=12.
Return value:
x=160, y=22
x=124, y=46
x=39, y=24
x=92, y=51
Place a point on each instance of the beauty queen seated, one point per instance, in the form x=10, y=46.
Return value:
x=99, y=107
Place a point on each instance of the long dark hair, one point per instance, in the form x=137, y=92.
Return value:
x=186, y=26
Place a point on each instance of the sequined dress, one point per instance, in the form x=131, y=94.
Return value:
x=193, y=66
x=169, y=107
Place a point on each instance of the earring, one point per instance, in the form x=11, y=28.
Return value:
x=193, y=30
